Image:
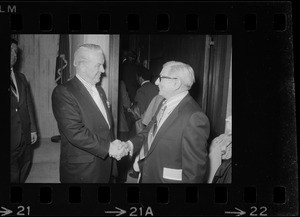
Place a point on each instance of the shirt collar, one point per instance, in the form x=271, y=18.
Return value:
x=177, y=98
x=144, y=82
x=84, y=82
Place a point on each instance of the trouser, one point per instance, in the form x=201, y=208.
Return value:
x=20, y=162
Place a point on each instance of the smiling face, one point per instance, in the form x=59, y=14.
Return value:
x=93, y=67
x=13, y=54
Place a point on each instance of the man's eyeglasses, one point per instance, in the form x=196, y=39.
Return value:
x=166, y=77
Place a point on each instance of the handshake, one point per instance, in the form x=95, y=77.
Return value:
x=118, y=149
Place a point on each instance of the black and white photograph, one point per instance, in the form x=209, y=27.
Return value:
x=121, y=108
x=127, y=108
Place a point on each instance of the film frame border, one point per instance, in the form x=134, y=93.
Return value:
x=281, y=33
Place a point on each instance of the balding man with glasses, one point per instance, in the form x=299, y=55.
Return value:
x=173, y=147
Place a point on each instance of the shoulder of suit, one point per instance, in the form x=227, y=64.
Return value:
x=148, y=85
x=189, y=104
x=71, y=84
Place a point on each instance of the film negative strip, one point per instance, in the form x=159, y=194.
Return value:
x=242, y=58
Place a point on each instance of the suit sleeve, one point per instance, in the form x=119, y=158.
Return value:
x=194, y=149
x=139, y=139
x=30, y=106
x=71, y=125
x=124, y=95
x=140, y=98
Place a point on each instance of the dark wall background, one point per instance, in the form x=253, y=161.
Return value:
x=159, y=49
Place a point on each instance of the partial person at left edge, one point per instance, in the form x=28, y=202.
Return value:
x=23, y=129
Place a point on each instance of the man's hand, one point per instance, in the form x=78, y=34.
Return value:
x=33, y=137
x=118, y=149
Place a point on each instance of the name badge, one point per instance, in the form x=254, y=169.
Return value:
x=172, y=174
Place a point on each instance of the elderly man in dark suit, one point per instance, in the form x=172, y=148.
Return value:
x=23, y=130
x=173, y=147
x=84, y=120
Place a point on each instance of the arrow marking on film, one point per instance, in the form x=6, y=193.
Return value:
x=119, y=212
x=5, y=212
x=239, y=213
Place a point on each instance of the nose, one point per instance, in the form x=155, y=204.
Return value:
x=157, y=81
x=101, y=69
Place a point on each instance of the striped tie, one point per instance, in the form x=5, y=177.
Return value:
x=147, y=144
x=159, y=117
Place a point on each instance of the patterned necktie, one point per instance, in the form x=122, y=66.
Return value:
x=159, y=117
x=146, y=146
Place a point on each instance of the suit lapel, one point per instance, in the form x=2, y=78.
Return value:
x=86, y=95
x=168, y=122
x=105, y=105
x=164, y=127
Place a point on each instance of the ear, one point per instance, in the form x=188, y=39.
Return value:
x=177, y=84
x=82, y=67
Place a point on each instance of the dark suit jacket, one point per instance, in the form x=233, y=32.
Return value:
x=129, y=72
x=144, y=95
x=180, y=145
x=22, y=119
x=85, y=135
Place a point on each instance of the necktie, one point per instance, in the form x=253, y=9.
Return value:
x=99, y=103
x=13, y=87
x=159, y=117
x=146, y=146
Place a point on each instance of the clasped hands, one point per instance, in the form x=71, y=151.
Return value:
x=118, y=149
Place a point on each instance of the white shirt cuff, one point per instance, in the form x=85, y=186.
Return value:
x=130, y=147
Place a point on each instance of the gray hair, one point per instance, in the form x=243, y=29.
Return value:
x=182, y=71
x=82, y=53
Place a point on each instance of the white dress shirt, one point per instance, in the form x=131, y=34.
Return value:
x=95, y=95
x=13, y=77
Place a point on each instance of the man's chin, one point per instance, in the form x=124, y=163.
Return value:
x=97, y=81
